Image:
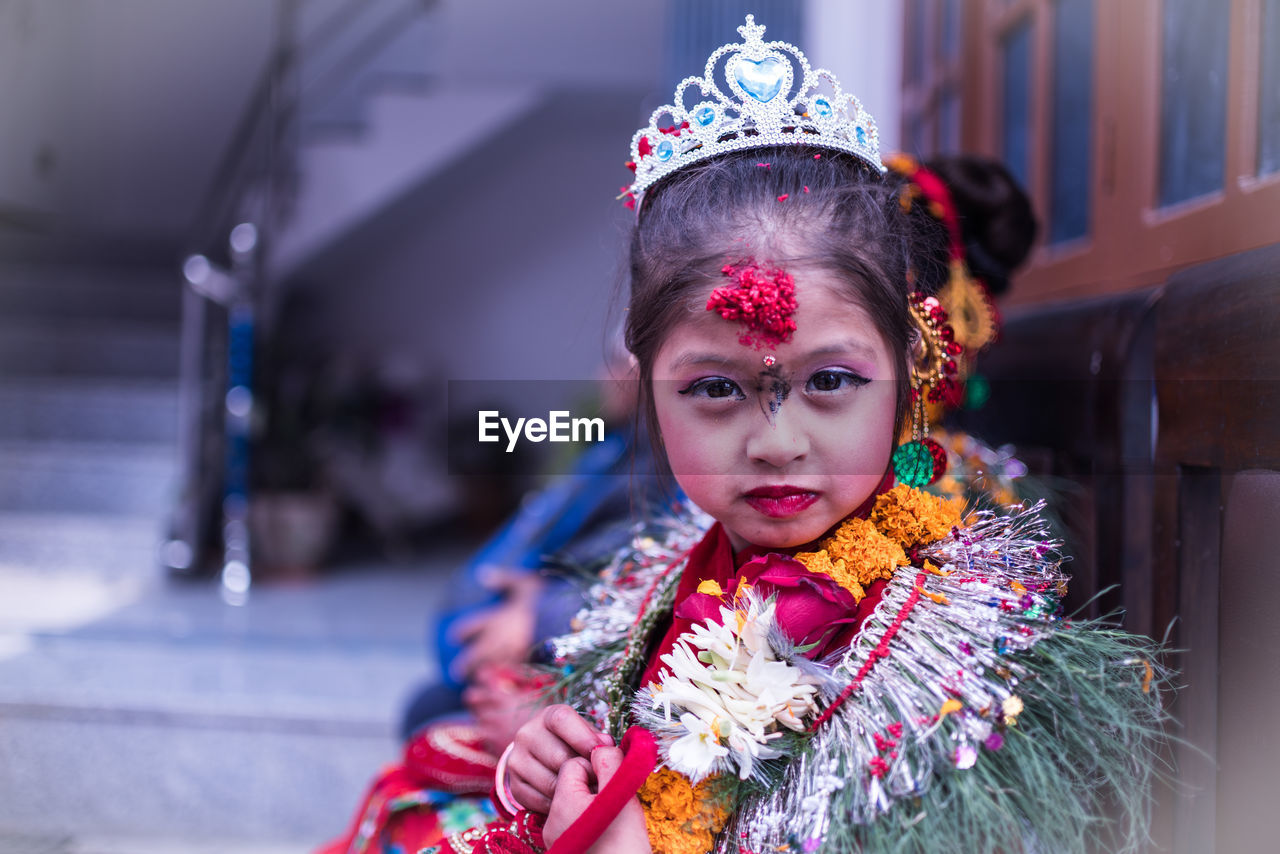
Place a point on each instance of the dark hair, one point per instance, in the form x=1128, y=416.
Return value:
x=839, y=215
x=997, y=223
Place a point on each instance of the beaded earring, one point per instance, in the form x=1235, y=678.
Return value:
x=922, y=461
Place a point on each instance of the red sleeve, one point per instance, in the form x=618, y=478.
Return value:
x=521, y=835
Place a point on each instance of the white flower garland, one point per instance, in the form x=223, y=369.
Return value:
x=734, y=692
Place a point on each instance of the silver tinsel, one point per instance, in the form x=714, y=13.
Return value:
x=614, y=603
x=938, y=701
x=1001, y=594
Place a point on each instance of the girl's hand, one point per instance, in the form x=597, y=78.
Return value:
x=575, y=792
x=501, y=700
x=541, y=747
x=502, y=634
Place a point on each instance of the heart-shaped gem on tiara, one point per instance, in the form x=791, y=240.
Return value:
x=761, y=79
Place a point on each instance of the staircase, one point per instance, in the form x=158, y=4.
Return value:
x=139, y=714
x=88, y=393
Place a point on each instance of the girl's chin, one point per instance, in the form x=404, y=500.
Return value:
x=781, y=537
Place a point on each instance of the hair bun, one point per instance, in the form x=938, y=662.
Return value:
x=997, y=223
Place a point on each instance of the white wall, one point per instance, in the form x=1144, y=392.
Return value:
x=504, y=266
x=860, y=41
x=113, y=113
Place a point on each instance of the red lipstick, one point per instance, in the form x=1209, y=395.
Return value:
x=778, y=502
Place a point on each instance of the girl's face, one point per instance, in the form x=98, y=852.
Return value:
x=779, y=453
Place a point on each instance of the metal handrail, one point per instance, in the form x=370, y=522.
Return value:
x=232, y=172
x=276, y=104
x=221, y=322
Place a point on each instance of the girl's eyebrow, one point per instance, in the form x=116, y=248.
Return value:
x=687, y=359
x=848, y=347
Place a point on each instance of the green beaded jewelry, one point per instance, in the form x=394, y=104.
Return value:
x=922, y=461
x=919, y=462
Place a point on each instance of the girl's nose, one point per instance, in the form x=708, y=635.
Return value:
x=780, y=440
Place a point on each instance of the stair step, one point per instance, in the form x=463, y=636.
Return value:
x=107, y=548
x=45, y=291
x=85, y=348
x=87, y=477
x=182, y=782
x=101, y=411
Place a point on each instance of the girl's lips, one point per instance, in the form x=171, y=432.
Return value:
x=778, y=502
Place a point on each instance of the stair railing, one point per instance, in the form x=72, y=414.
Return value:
x=226, y=279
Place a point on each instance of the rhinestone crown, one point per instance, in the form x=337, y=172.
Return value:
x=769, y=96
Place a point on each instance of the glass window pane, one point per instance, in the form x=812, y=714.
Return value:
x=920, y=137
x=1193, y=100
x=1072, y=119
x=1269, y=98
x=949, y=122
x=915, y=41
x=951, y=16
x=1016, y=130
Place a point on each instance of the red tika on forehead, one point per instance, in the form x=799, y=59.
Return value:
x=762, y=299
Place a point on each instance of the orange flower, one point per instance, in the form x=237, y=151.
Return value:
x=911, y=517
x=862, y=550
x=683, y=818
x=855, y=555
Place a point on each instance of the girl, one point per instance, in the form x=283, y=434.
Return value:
x=838, y=663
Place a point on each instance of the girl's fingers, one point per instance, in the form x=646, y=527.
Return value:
x=544, y=746
x=574, y=781
x=541, y=749
x=530, y=798
x=627, y=832
x=580, y=736
x=531, y=783
x=551, y=754
x=605, y=760
x=573, y=795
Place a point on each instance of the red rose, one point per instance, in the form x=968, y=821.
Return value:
x=811, y=607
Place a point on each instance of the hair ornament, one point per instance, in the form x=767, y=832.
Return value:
x=974, y=319
x=936, y=367
x=921, y=461
x=752, y=94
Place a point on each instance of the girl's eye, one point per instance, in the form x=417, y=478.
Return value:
x=714, y=387
x=833, y=380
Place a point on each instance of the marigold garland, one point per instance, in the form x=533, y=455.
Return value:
x=683, y=818
x=912, y=517
x=855, y=555
x=863, y=550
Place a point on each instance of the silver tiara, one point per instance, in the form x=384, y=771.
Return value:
x=757, y=105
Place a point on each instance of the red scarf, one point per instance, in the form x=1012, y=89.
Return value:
x=812, y=607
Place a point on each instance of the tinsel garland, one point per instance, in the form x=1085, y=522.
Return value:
x=597, y=665
x=973, y=717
